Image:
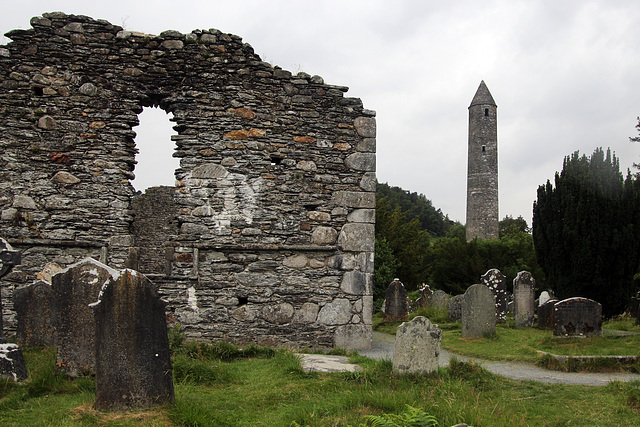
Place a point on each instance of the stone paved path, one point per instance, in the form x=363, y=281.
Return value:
x=383, y=344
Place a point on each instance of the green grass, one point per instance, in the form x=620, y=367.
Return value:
x=622, y=323
x=221, y=385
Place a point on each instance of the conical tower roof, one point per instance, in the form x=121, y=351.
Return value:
x=483, y=96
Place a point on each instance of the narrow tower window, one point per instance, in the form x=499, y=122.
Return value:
x=484, y=148
x=486, y=113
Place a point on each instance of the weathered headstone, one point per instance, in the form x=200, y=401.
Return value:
x=545, y=314
x=577, y=317
x=73, y=289
x=8, y=259
x=455, y=308
x=544, y=297
x=634, y=308
x=439, y=299
x=497, y=283
x=396, y=308
x=12, y=364
x=417, y=347
x=34, y=310
x=524, y=299
x=478, y=312
x=133, y=363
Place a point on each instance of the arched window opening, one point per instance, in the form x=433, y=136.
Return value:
x=156, y=165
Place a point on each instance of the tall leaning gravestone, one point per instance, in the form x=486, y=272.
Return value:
x=478, y=312
x=73, y=289
x=133, y=364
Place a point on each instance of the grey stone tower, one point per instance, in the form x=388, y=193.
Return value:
x=482, y=170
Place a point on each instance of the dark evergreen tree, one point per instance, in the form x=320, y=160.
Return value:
x=385, y=270
x=586, y=230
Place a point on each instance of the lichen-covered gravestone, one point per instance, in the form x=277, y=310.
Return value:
x=524, y=299
x=417, y=347
x=577, y=317
x=455, y=308
x=133, y=363
x=478, y=312
x=497, y=283
x=545, y=314
x=73, y=289
x=36, y=322
x=396, y=308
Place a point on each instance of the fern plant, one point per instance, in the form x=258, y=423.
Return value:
x=411, y=417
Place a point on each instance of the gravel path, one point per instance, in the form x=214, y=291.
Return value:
x=382, y=348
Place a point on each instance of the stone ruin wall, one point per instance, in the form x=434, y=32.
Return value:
x=268, y=236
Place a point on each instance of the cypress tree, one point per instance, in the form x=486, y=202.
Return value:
x=586, y=230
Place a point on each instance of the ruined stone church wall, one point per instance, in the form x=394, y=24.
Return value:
x=269, y=232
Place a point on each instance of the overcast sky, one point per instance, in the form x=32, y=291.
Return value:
x=565, y=76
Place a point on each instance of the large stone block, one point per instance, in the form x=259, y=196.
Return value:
x=337, y=312
x=357, y=237
x=353, y=337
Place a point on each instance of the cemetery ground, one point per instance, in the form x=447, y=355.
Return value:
x=221, y=385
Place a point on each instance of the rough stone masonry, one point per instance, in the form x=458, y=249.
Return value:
x=268, y=235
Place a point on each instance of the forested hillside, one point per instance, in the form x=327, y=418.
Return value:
x=418, y=243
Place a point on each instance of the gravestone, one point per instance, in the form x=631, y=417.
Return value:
x=544, y=297
x=396, y=308
x=133, y=363
x=34, y=310
x=478, y=312
x=425, y=295
x=417, y=347
x=8, y=259
x=12, y=364
x=439, y=299
x=524, y=299
x=545, y=314
x=497, y=283
x=455, y=308
x=634, y=308
x=577, y=317
x=73, y=289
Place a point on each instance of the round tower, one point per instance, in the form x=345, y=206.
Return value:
x=482, y=169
